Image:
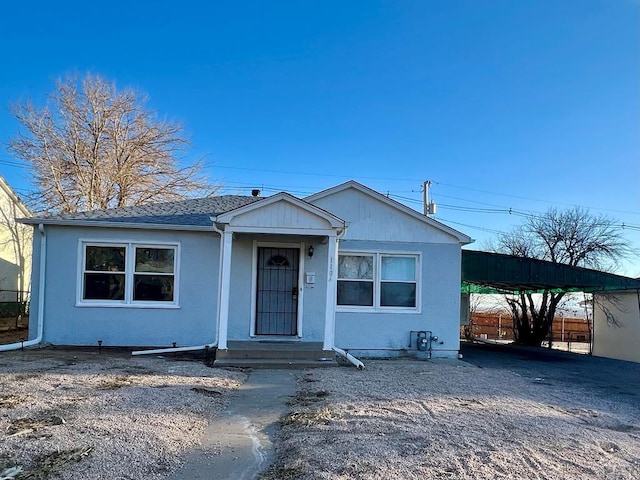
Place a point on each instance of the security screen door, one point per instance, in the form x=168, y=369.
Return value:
x=277, y=296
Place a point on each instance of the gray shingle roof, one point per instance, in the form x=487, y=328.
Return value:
x=196, y=212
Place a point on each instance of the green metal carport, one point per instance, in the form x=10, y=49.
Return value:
x=484, y=272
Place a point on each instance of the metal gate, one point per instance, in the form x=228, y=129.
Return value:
x=277, y=295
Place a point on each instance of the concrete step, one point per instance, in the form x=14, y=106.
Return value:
x=274, y=363
x=273, y=345
x=275, y=354
x=267, y=354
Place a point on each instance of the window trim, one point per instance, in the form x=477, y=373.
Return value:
x=377, y=281
x=129, y=273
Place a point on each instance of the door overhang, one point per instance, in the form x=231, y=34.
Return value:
x=281, y=214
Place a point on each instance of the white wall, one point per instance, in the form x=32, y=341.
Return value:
x=15, y=248
x=616, y=326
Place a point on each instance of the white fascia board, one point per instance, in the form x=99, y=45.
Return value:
x=334, y=221
x=461, y=237
x=107, y=224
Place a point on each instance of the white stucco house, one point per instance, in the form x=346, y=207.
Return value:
x=15, y=247
x=345, y=267
x=616, y=324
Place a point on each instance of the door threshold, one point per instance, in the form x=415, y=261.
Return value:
x=276, y=339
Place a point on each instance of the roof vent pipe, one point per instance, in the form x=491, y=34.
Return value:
x=255, y=192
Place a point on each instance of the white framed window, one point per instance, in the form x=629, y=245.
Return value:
x=128, y=274
x=398, y=281
x=356, y=280
x=378, y=281
x=154, y=274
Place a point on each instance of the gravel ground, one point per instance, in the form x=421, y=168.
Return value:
x=70, y=415
x=83, y=415
x=453, y=420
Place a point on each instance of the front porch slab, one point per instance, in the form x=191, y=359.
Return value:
x=275, y=354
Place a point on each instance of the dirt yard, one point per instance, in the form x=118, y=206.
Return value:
x=14, y=329
x=71, y=415
x=81, y=415
x=453, y=420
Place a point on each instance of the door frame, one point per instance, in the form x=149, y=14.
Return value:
x=254, y=286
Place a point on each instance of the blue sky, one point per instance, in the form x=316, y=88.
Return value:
x=503, y=104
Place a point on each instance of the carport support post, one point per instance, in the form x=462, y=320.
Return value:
x=332, y=285
x=225, y=287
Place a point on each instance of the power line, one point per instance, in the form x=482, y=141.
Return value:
x=484, y=229
x=444, y=206
x=510, y=211
x=416, y=180
x=404, y=199
x=10, y=163
x=533, y=199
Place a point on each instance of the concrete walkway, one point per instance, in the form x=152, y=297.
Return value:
x=238, y=443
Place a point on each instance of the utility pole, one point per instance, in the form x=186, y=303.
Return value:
x=429, y=207
x=425, y=196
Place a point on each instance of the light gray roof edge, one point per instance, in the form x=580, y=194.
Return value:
x=97, y=223
x=190, y=206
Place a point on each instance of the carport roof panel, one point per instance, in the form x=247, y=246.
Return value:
x=516, y=274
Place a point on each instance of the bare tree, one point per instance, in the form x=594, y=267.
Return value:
x=572, y=237
x=94, y=147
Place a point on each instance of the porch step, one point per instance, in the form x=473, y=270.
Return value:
x=273, y=363
x=275, y=354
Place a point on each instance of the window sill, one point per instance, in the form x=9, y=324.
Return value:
x=393, y=310
x=162, y=306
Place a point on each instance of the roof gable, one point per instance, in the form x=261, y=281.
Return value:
x=13, y=197
x=369, y=209
x=281, y=210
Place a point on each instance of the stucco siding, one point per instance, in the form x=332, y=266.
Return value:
x=240, y=296
x=191, y=322
x=241, y=306
x=379, y=333
x=315, y=296
x=616, y=330
x=369, y=219
x=34, y=307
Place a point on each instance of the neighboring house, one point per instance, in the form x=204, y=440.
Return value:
x=15, y=247
x=345, y=267
x=616, y=324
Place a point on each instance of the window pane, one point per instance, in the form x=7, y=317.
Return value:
x=355, y=293
x=105, y=259
x=103, y=286
x=355, y=267
x=154, y=260
x=153, y=288
x=397, y=294
x=398, y=268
